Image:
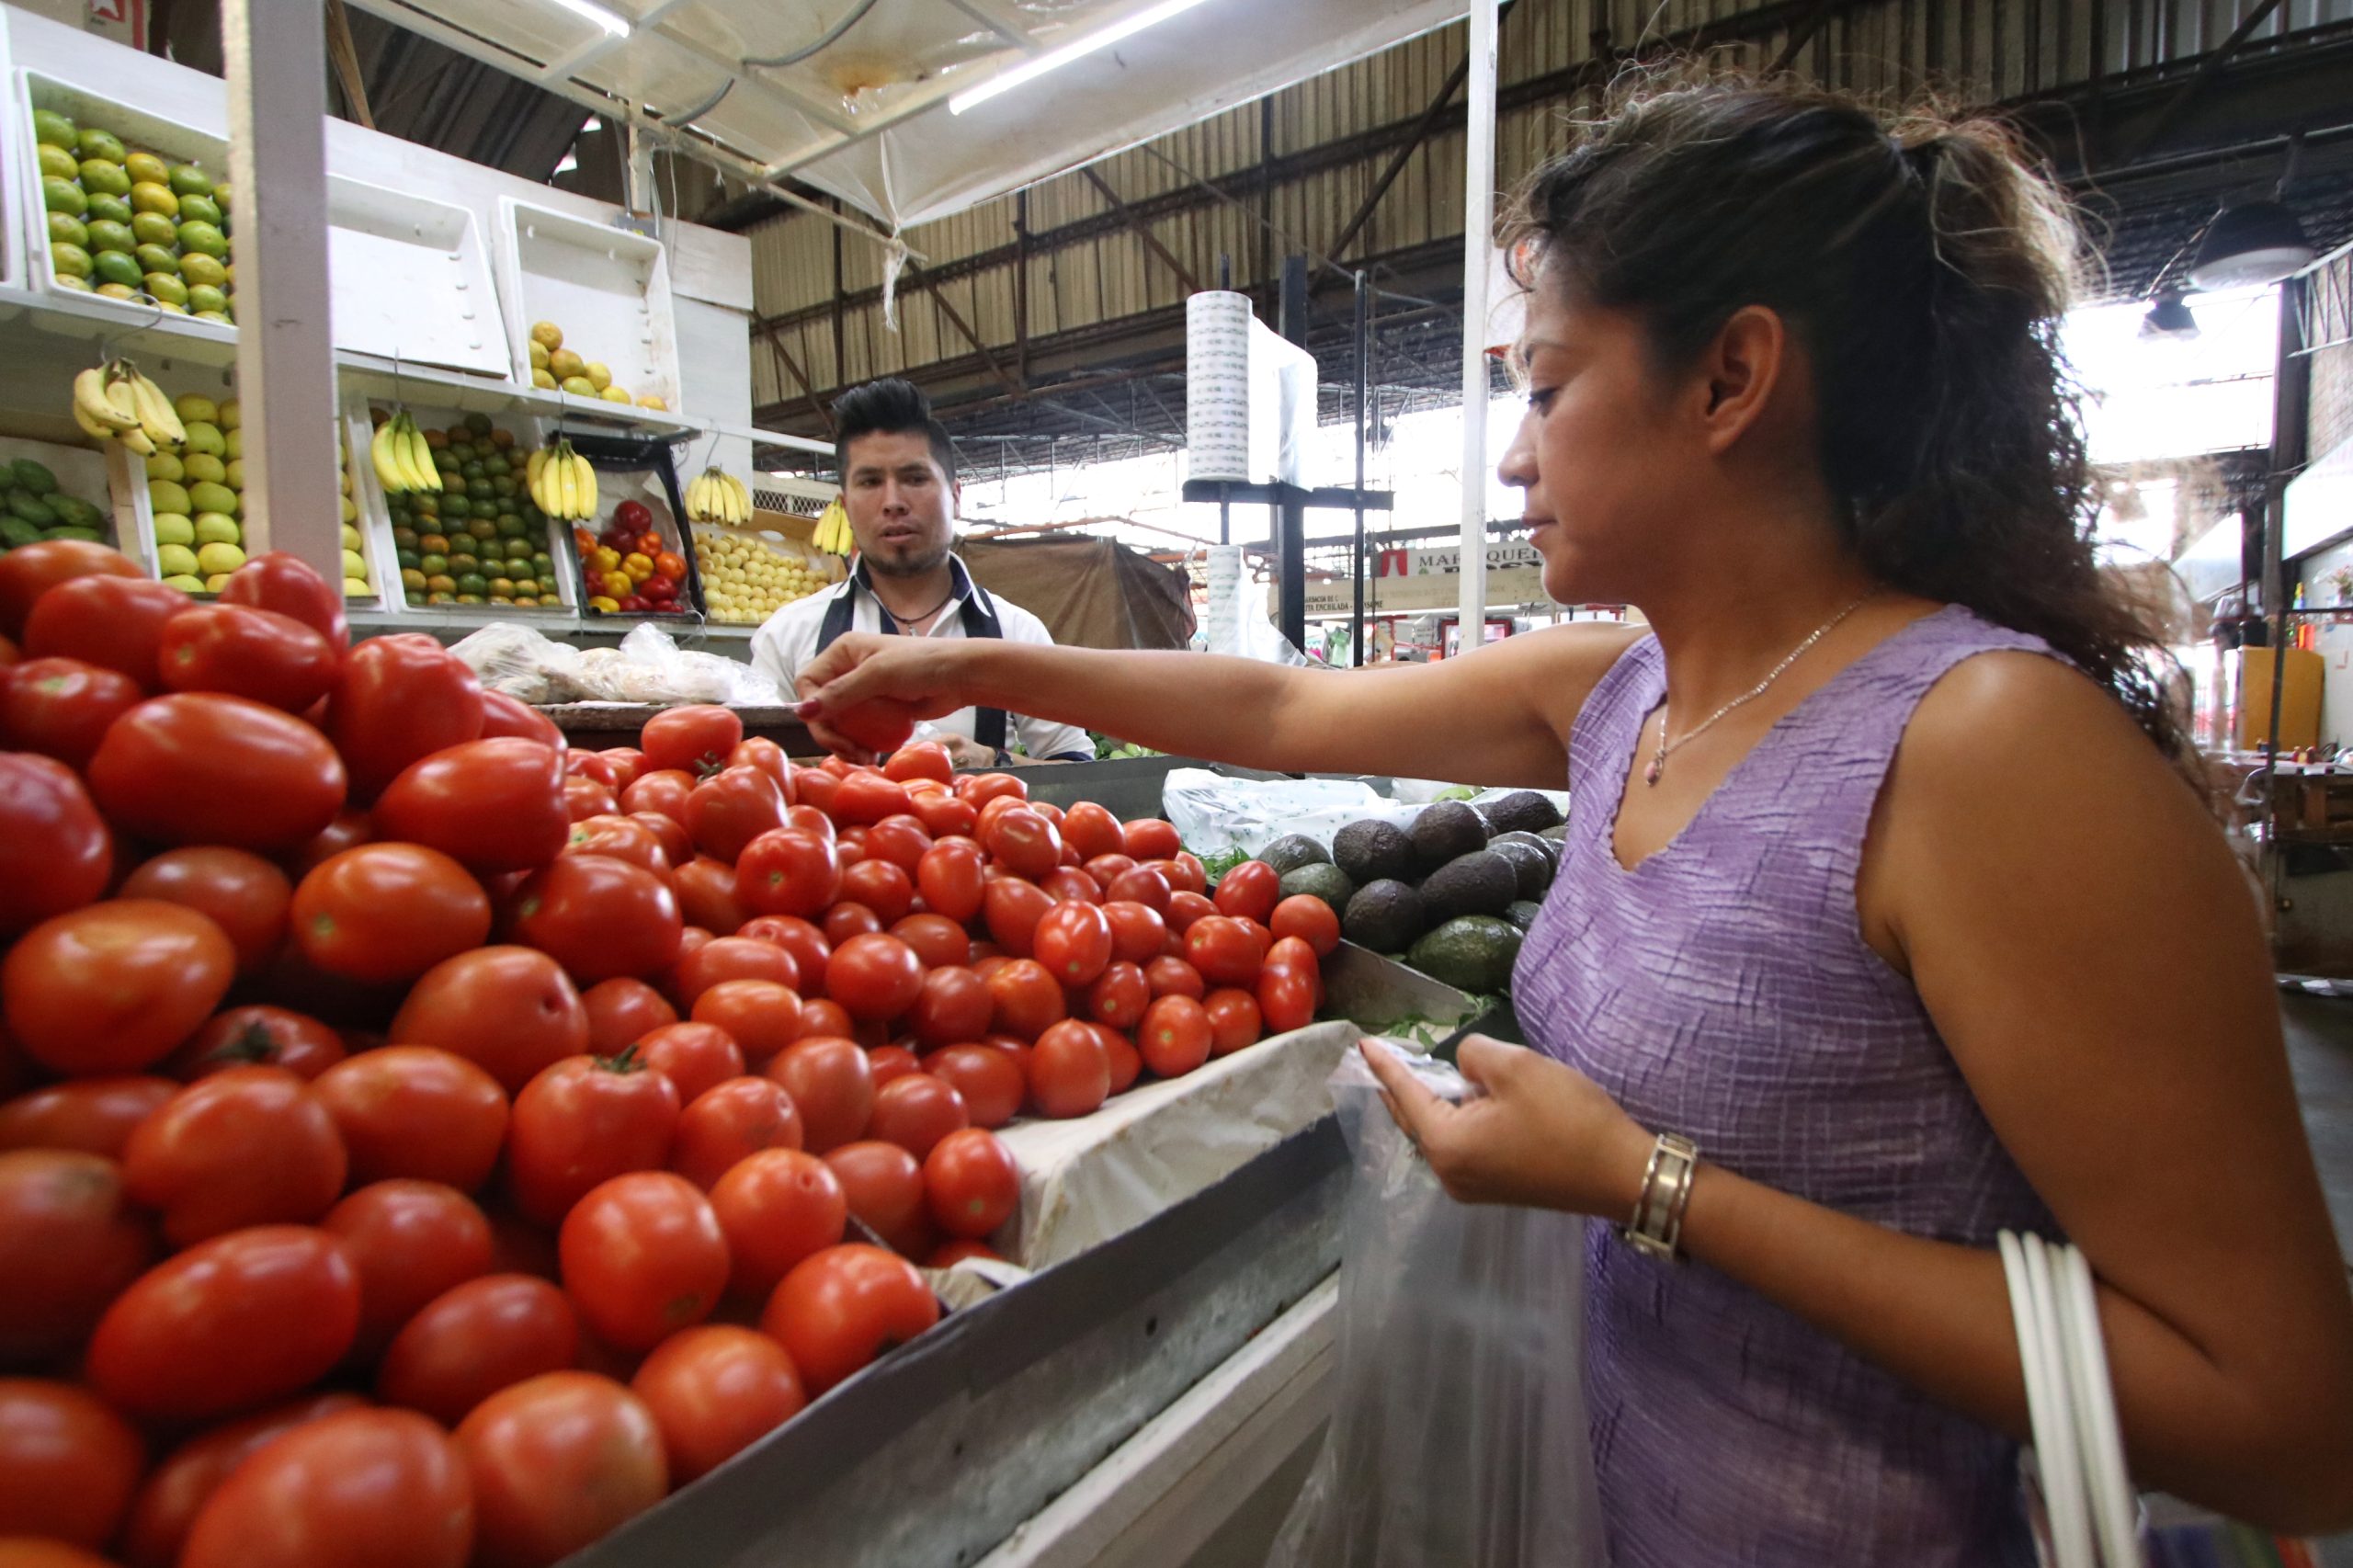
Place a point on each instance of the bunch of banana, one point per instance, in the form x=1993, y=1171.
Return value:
x=832, y=535
x=718, y=496
x=562, y=483
x=404, y=462
x=114, y=401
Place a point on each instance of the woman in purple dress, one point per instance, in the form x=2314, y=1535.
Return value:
x=1883, y=887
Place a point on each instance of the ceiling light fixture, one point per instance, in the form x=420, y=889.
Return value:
x=2252, y=244
x=2169, y=317
x=1054, y=59
x=589, y=11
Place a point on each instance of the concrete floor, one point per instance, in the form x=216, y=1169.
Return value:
x=2320, y=1052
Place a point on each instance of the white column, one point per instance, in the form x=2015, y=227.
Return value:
x=1478, y=243
x=276, y=55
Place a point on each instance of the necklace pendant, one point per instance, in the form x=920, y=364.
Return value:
x=1656, y=770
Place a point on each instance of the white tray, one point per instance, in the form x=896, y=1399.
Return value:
x=87, y=472
x=608, y=289
x=411, y=279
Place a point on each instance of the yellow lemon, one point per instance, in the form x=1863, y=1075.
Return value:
x=598, y=377
x=216, y=528
x=175, y=560
x=204, y=466
x=547, y=335
x=218, y=560
x=230, y=418
x=173, y=529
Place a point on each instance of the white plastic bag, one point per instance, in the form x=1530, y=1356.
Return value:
x=1457, y=1431
x=519, y=661
x=1215, y=813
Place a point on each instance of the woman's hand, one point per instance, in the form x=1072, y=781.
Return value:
x=1544, y=1135
x=917, y=676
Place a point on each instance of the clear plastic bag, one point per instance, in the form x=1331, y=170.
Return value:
x=521, y=663
x=1457, y=1431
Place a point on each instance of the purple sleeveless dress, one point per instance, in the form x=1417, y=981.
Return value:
x=1722, y=989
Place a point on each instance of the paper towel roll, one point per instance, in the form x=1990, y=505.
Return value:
x=1217, y=386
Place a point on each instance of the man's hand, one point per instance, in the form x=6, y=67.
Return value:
x=966, y=752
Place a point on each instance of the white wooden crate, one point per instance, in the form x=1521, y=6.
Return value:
x=608, y=289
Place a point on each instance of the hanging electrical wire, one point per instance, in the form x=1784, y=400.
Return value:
x=856, y=14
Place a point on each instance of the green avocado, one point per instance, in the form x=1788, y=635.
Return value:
x=1473, y=953
x=1322, y=881
x=34, y=476
x=1385, y=915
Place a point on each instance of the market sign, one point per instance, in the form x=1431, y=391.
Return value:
x=1506, y=586
x=1449, y=560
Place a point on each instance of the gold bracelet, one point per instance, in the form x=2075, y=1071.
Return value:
x=1656, y=1228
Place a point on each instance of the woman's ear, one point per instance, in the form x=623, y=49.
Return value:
x=1740, y=371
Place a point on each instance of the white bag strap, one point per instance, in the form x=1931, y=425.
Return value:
x=2078, y=1446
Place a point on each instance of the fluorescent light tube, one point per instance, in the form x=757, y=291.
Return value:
x=1052, y=60
x=589, y=11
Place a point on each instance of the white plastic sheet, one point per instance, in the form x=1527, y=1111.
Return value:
x=1215, y=813
x=648, y=667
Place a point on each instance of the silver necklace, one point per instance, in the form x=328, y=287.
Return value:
x=1657, y=769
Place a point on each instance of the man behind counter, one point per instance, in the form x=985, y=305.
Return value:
x=898, y=473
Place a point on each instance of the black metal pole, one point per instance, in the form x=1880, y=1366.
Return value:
x=2290, y=403
x=1290, y=511
x=1356, y=556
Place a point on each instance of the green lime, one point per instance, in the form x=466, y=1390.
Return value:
x=95, y=143
x=114, y=268
x=154, y=229
x=56, y=163
x=409, y=559
x=145, y=168
x=190, y=181
x=158, y=258
x=220, y=195
x=474, y=582
x=104, y=233
x=203, y=297
x=167, y=289
x=64, y=228
x=116, y=290
x=52, y=129
x=101, y=177
x=63, y=196
x=149, y=196
x=204, y=239
x=197, y=268
x=433, y=566
x=113, y=209
x=71, y=260
x=199, y=210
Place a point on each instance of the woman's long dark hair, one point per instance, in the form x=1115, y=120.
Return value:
x=1925, y=266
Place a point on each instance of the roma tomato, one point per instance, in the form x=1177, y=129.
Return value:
x=729, y=1122
x=1142, y=885
x=411, y=1241
x=627, y=763
x=599, y=917
x=1120, y=995
x=1127, y=1061
x=361, y=1486
x=114, y=622
x=950, y=879
x=1024, y=843
x=388, y=912
x=1138, y=932
x=411, y=1110
x=558, y=1461
x=1012, y=909
x=31, y=570
x=776, y=1207
x=1223, y=951
x=1092, y=831
x=642, y=1258
x=113, y=987
x=916, y=1111
x=248, y=1146
x=1249, y=890
x=991, y=1081
x=1107, y=868
x=258, y=1035
x=170, y=1498
x=244, y=894
x=494, y=805
x=593, y=765
x=230, y=1323
x=1068, y=884
x=839, y=1310
x=732, y=957
x=695, y=1056
x=831, y=1086
x=848, y=919
x=759, y=752
x=715, y=1392
x=760, y=1016
x=883, y=1184
x=400, y=699
x=876, y=977
x=509, y=1010
x=1170, y=977
x=69, y=1243
x=256, y=654
x=882, y=887
x=866, y=797
x=199, y=767
x=1150, y=838
x=504, y=717
x=620, y=838
x=1184, y=872
x=971, y=1184
x=94, y=1116
x=814, y=788
x=732, y=807
x=919, y=759
x=1294, y=953
x=662, y=791
x=707, y=895
x=581, y=1122
x=62, y=707
x=953, y=1006
x=941, y=813
x=805, y=943
x=887, y=1063
x=827, y=1018
x=1286, y=999
x=1026, y=999
x=1074, y=941
x=1070, y=1073
x=987, y=786
x=474, y=1340
x=1234, y=1021
x=348, y=829
x=678, y=849
x=948, y=1254
x=67, y=1464
x=1184, y=908
x=938, y=941
x=54, y=852
x=1309, y=919
x=787, y=871
x=1174, y=1037
x=585, y=798
x=622, y=1011
x=275, y=580
x=696, y=738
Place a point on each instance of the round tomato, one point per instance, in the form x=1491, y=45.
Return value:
x=600, y=919
x=170, y=1498
x=970, y=1183
x=399, y=698
x=558, y=1461
x=883, y=1184
x=695, y=1056
x=1026, y=999
x=762, y=1015
x=1024, y=843
x=937, y=941
x=1234, y=1021
x=114, y=986
x=1170, y=977
x=585, y=798
x=1185, y=909
x=94, y=1116
x=1092, y=831
x=69, y=1243
x=1286, y=999
x=776, y=1207
x=388, y=912
x=244, y=894
x=495, y=805
x=920, y=759
x=199, y=767
x=643, y=1257
x=840, y=1309
x=900, y=840
x=732, y=807
x=1068, y=884
x=509, y=1010
x=1127, y=1063
x=916, y=1111
x=789, y=871
x=230, y=1323
x=364, y=1486
x=990, y=1082
x=953, y=1006
x=848, y=919
x=707, y=895
x=1149, y=838
x=759, y=752
x=620, y=838
x=950, y=879
x=1223, y=951
x=716, y=1391
x=412, y=1110
x=1140, y=885
x=31, y=570
x=1309, y=919
x=882, y=887
x=622, y=1011
x=258, y=1035
x=1120, y=995
x=62, y=707
x=475, y=1339
x=246, y=1146
x=54, y=851
x=114, y=622
x=280, y=581
x=866, y=797
x=1074, y=942
x=581, y=1122
x=1249, y=890
x=729, y=1122
x=696, y=738
x=874, y=976
x=661, y=790
x=507, y=718
x=1070, y=1071
x=67, y=1464
x=245, y=651
x=411, y=1241
x=732, y=957
x=831, y=1085
x=1174, y=1037
x=1012, y=909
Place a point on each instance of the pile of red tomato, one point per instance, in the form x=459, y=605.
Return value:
x=629, y=568
x=324, y=1225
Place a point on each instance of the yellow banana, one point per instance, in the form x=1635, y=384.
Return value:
x=90, y=425
x=382, y=452
x=698, y=498
x=587, y=485
x=122, y=398
x=156, y=416
x=532, y=468
x=421, y=453
x=566, y=496
x=92, y=406
x=136, y=439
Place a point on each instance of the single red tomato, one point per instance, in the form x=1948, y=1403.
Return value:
x=280, y=581
x=412, y=1110
x=1024, y=842
x=916, y=1111
x=805, y=943
x=622, y=1011
x=761, y=1016
x=732, y=957
x=54, y=852
x=662, y=791
x=244, y=894
x=1120, y=995
x=948, y=1254
x=585, y=798
x=598, y=917
x=789, y=871
x=1185, y=909
x=249, y=652
x=1249, y=890
x=509, y=1010
x=1074, y=942
x=695, y=1056
x=950, y=879
x=813, y=789
x=920, y=759
x=1127, y=1063
x=1286, y=999
x=953, y=1006
x=1170, y=977
x=388, y=912
x=1012, y=909
x=348, y=829
x=114, y=622
x=991, y=1081
x=1308, y=919
x=971, y=1184
x=582, y=1122
x=883, y=1184
x=257, y=1036
x=95, y=1116
x=758, y=751
x=882, y=887
x=172, y=1495
x=495, y=804
x=475, y=1339
x=839, y=1310
x=1092, y=831
x=728, y=1123
x=1108, y=868
x=776, y=1206
x=1142, y=885
x=558, y=1461
x=707, y=895
x=1174, y=1037
x=1070, y=1071
x=62, y=707
x=866, y=797
x=31, y=570
x=411, y=1241
x=364, y=1486
x=628, y=764
x=1223, y=951
x=938, y=941
x=620, y=838
x=1068, y=884
x=508, y=717
x=1292, y=953
x=848, y=919
x=70, y=1242
x=231, y=1323
x=831, y=1085
x=1150, y=838
x=1138, y=932
x=716, y=1391
x=987, y=786
x=886, y=1062
x=941, y=813
x=643, y=1257
x=874, y=976
x=726, y=812
x=244, y=1146
x=199, y=767
x=824, y=1017
x=400, y=699
x=113, y=987
x=696, y=738
x=68, y=1464
x=1025, y=998
x=1234, y=1021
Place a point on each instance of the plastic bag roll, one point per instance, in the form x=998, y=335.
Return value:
x=1217, y=386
